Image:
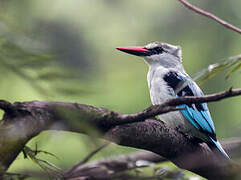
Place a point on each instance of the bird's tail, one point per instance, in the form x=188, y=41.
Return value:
x=216, y=145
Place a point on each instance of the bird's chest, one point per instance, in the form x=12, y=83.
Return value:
x=159, y=90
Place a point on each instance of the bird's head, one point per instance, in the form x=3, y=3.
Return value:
x=157, y=53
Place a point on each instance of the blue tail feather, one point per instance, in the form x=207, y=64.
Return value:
x=219, y=147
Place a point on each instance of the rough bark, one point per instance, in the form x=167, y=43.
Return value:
x=118, y=165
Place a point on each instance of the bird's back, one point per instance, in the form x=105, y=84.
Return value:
x=161, y=92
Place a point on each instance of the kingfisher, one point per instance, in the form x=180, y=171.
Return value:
x=167, y=79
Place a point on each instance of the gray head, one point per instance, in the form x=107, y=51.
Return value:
x=157, y=53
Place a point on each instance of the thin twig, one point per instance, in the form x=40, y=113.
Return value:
x=88, y=157
x=170, y=105
x=211, y=16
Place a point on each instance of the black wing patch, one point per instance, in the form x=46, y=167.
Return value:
x=174, y=81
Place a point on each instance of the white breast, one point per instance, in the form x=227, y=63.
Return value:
x=158, y=87
x=160, y=92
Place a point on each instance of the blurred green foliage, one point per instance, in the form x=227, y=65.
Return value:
x=232, y=63
x=65, y=51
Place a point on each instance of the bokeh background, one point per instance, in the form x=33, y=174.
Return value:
x=65, y=51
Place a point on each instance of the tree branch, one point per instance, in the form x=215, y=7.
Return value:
x=24, y=120
x=211, y=16
x=119, y=166
x=170, y=105
x=108, y=168
x=86, y=159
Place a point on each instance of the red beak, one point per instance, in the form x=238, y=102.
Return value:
x=138, y=51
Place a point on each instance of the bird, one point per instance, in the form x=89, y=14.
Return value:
x=168, y=79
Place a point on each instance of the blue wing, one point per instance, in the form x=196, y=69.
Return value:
x=197, y=114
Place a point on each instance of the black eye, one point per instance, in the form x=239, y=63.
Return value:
x=157, y=50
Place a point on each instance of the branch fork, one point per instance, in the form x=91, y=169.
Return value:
x=24, y=120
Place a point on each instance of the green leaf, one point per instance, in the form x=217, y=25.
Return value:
x=213, y=69
x=236, y=68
